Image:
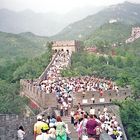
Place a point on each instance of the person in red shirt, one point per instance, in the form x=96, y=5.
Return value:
x=90, y=126
x=101, y=92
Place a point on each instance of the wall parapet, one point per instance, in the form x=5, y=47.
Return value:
x=42, y=99
x=115, y=110
x=10, y=123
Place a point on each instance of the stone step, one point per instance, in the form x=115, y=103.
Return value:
x=66, y=118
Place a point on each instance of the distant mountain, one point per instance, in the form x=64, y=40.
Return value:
x=127, y=13
x=27, y=45
x=80, y=13
x=45, y=24
x=28, y=21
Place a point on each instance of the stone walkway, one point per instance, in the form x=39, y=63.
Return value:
x=73, y=135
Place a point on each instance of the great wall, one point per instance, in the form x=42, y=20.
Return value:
x=135, y=34
x=45, y=101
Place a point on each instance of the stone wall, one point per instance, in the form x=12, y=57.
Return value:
x=33, y=92
x=10, y=123
x=108, y=96
x=41, y=98
x=135, y=34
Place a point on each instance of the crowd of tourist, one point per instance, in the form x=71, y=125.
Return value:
x=81, y=84
x=89, y=124
x=63, y=88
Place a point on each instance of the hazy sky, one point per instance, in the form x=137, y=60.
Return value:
x=58, y=6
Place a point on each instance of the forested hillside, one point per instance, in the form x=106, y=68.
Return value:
x=12, y=72
x=24, y=45
x=112, y=33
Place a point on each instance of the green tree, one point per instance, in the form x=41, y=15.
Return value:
x=10, y=102
x=130, y=114
x=136, y=87
x=110, y=60
x=102, y=60
x=119, y=62
x=123, y=79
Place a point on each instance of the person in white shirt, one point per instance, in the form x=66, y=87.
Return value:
x=92, y=111
x=20, y=133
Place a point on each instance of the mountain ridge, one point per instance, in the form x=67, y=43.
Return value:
x=24, y=45
x=43, y=24
x=128, y=13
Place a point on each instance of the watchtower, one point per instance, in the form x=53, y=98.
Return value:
x=68, y=45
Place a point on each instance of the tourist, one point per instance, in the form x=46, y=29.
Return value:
x=60, y=129
x=84, y=122
x=92, y=111
x=61, y=111
x=72, y=116
x=20, y=133
x=39, y=125
x=52, y=131
x=91, y=125
x=44, y=135
x=80, y=128
x=52, y=120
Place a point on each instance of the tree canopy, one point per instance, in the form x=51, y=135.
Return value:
x=11, y=73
